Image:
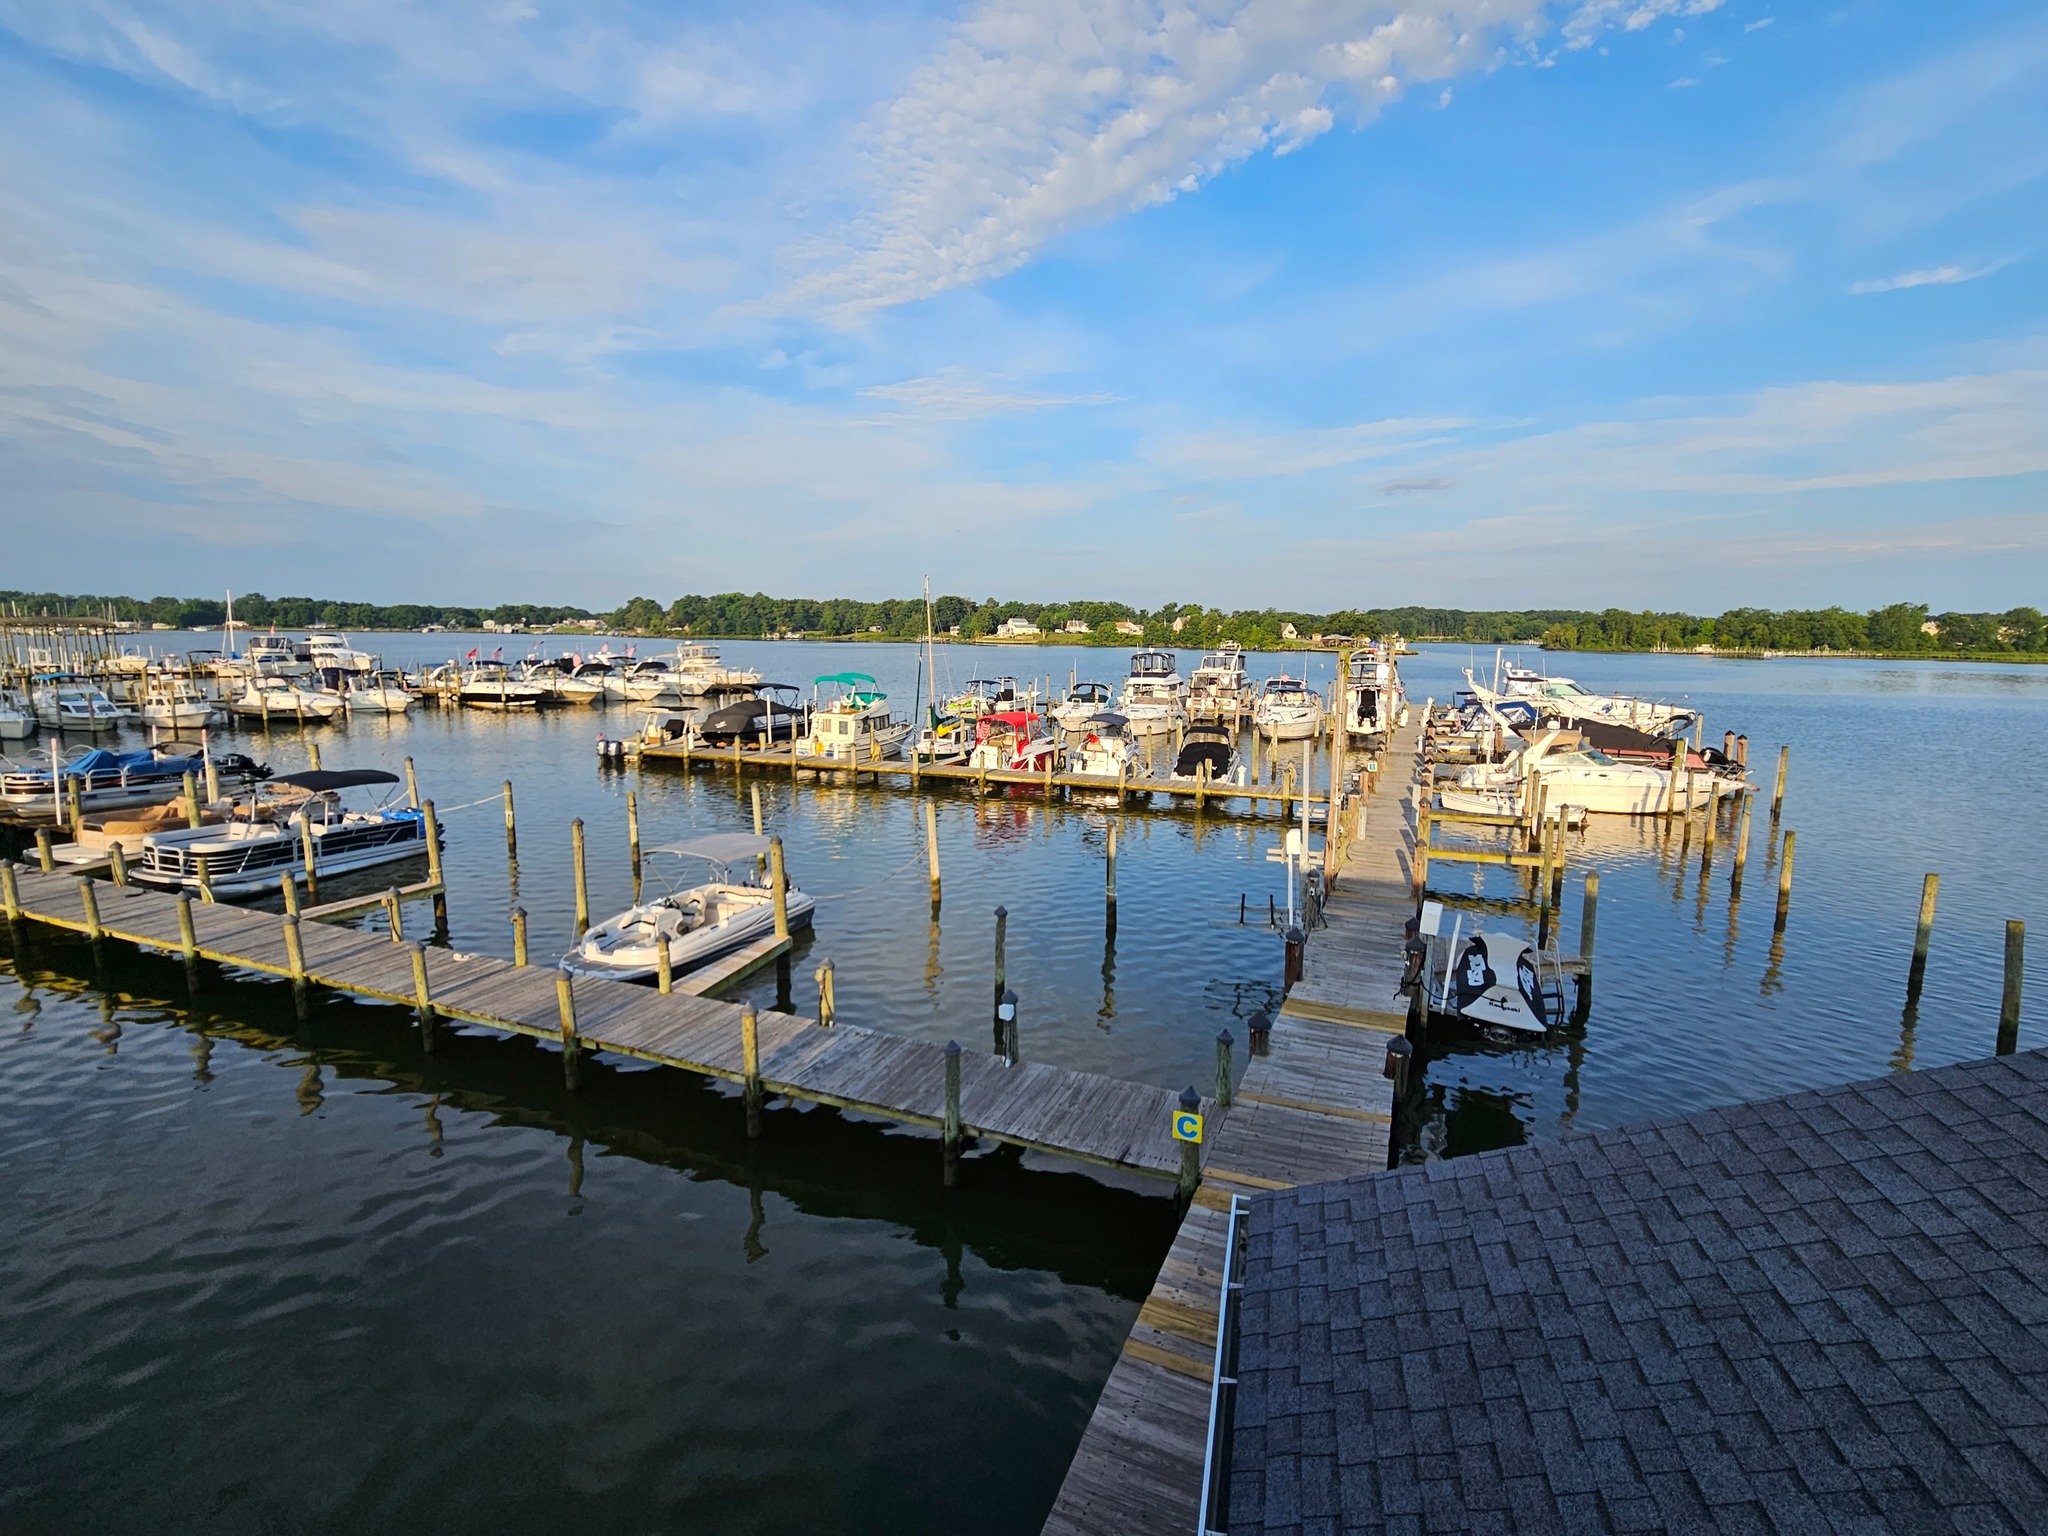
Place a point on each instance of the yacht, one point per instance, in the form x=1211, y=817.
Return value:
x=1287, y=710
x=381, y=692
x=696, y=671
x=278, y=656
x=488, y=685
x=264, y=837
x=559, y=680
x=988, y=696
x=270, y=696
x=1375, y=704
x=1107, y=750
x=695, y=924
x=1221, y=688
x=174, y=703
x=333, y=653
x=1084, y=701
x=851, y=720
x=774, y=717
x=1565, y=699
x=1579, y=778
x=1154, y=696
x=16, y=722
x=607, y=671
x=67, y=703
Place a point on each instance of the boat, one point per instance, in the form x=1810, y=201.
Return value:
x=1581, y=778
x=1496, y=980
x=852, y=720
x=109, y=780
x=332, y=653
x=1206, y=753
x=66, y=703
x=1287, y=710
x=988, y=696
x=174, y=703
x=278, y=656
x=1375, y=704
x=1084, y=701
x=1107, y=750
x=1012, y=739
x=489, y=685
x=607, y=671
x=775, y=716
x=270, y=696
x=696, y=670
x=266, y=837
x=383, y=692
x=696, y=924
x=17, y=723
x=1154, y=696
x=559, y=682
x=94, y=840
x=1567, y=700
x=1220, y=688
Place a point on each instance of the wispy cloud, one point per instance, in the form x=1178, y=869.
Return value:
x=1759, y=24
x=1927, y=277
x=951, y=395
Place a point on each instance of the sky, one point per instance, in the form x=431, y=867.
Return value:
x=1309, y=303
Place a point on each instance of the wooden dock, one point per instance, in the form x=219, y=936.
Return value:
x=1316, y=1106
x=1079, y=1115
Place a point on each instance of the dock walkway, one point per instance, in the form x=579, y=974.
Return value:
x=1041, y=1108
x=1315, y=1107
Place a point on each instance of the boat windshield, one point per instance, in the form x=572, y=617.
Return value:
x=1565, y=688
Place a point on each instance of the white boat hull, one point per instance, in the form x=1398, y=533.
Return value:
x=1289, y=725
x=624, y=948
x=381, y=701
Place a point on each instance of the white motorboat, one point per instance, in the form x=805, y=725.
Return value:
x=488, y=685
x=558, y=678
x=1287, y=710
x=695, y=924
x=67, y=703
x=1154, y=696
x=278, y=656
x=1498, y=981
x=989, y=696
x=1220, y=688
x=1578, y=777
x=1013, y=739
x=1562, y=698
x=332, y=653
x=174, y=703
x=1106, y=750
x=273, y=697
x=696, y=670
x=1206, y=754
x=944, y=741
x=109, y=780
x=1084, y=701
x=16, y=722
x=607, y=671
x=382, y=692
x=1375, y=704
x=851, y=720
x=265, y=837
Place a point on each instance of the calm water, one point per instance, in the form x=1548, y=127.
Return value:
x=262, y=1274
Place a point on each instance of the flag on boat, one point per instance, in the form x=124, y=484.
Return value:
x=472, y=654
x=497, y=653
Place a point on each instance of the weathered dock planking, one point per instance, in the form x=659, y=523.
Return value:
x=1041, y=1108
x=1316, y=1106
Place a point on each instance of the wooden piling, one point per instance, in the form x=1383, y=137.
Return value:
x=1190, y=1152
x=205, y=878
x=412, y=785
x=1419, y=866
x=312, y=747
x=1002, y=961
x=1006, y=1020
x=1589, y=913
x=778, y=886
x=423, y=999
x=1109, y=878
x=519, y=936
x=188, y=938
x=192, y=818
x=952, y=1126
x=1784, y=882
x=1741, y=846
x=826, y=1002
x=931, y=846
x=306, y=856
x=2009, y=998
x=582, y=880
x=295, y=959
x=1778, y=794
x=117, y=862
x=1707, y=837
x=1223, y=1044
x=394, y=914
x=572, y=1051
x=434, y=866
x=75, y=805
x=89, y=899
x=1286, y=789
x=664, y=967
x=1671, y=784
x=511, y=826
x=289, y=889
x=756, y=788
x=633, y=835
x=10, y=890
x=750, y=1058
x=212, y=779
x=1923, y=935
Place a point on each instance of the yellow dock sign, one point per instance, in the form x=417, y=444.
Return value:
x=1187, y=1125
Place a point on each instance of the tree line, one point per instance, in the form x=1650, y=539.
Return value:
x=261, y=612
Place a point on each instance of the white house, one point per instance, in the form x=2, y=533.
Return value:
x=1129, y=627
x=1287, y=632
x=1017, y=628
x=1074, y=627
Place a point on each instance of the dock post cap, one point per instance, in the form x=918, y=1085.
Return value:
x=1189, y=1099
x=952, y=1047
x=417, y=947
x=1006, y=1010
x=519, y=911
x=1295, y=935
x=1002, y=911
x=1224, y=1037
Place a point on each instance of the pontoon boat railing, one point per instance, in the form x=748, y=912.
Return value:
x=1213, y=1516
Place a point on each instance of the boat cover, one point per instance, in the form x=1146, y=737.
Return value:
x=320, y=781
x=717, y=847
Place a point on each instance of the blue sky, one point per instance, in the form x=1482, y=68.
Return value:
x=1490, y=303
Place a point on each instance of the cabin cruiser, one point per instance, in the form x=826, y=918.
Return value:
x=851, y=721
x=775, y=716
x=603, y=672
x=174, y=703
x=1084, y=701
x=107, y=780
x=1581, y=778
x=1154, y=697
x=1375, y=704
x=695, y=924
x=1495, y=980
x=988, y=696
x=696, y=670
x=1563, y=697
x=278, y=656
x=332, y=653
x=1206, y=753
x=1220, y=688
x=68, y=703
x=273, y=697
x=1012, y=739
x=490, y=685
x=559, y=682
x=16, y=723
x=383, y=692
x=1287, y=710
x=266, y=836
x=1107, y=750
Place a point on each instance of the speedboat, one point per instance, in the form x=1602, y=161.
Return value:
x=604, y=673
x=67, y=703
x=488, y=685
x=279, y=656
x=1220, y=688
x=944, y=741
x=273, y=697
x=174, y=703
x=852, y=720
x=1106, y=751
x=1012, y=739
x=1206, y=746
x=1375, y=704
x=1154, y=697
x=264, y=837
x=332, y=653
x=381, y=693
x=16, y=723
x=695, y=670
x=108, y=780
x=1498, y=981
x=1565, y=698
x=1084, y=701
x=988, y=696
x=559, y=682
x=775, y=716
x=1579, y=777
x=1287, y=710
x=695, y=924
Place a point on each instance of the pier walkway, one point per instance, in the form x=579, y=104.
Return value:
x=1041, y=1108
x=1316, y=1106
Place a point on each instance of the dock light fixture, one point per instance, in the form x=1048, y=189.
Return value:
x=1006, y=1015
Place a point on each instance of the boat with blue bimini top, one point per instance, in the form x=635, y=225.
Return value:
x=268, y=834
x=109, y=780
x=696, y=924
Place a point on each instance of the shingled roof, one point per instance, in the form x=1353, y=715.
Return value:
x=1826, y=1312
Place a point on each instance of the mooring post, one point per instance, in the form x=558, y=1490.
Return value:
x=306, y=855
x=1589, y=914
x=1223, y=1045
x=89, y=898
x=931, y=847
x=511, y=826
x=421, y=996
x=1671, y=784
x=1006, y=1025
x=952, y=1129
x=1259, y=1034
x=1190, y=1151
x=582, y=883
x=412, y=786
x=750, y=1054
x=2009, y=998
x=434, y=872
x=44, y=858
x=10, y=890
x=1109, y=880
x=312, y=747
x=1784, y=881
x=295, y=958
x=1290, y=968
x=290, y=890
x=188, y=939
x=519, y=936
x=75, y=804
x=1286, y=789
x=212, y=779
x=205, y=877
x=633, y=837
x=1778, y=794
x=1923, y=935
x=778, y=887
x=1557, y=866
x=823, y=976
x=118, y=862
x=1707, y=837
x=1741, y=846
x=572, y=1050
x=394, y=914
x=664, y=967
x=758, y=823
x=1419, y=865
x=1002, y=964
x=192, y=817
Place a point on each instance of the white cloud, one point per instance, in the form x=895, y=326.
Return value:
x=951, y=395
x=1759, y=24
x=1926, y=277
